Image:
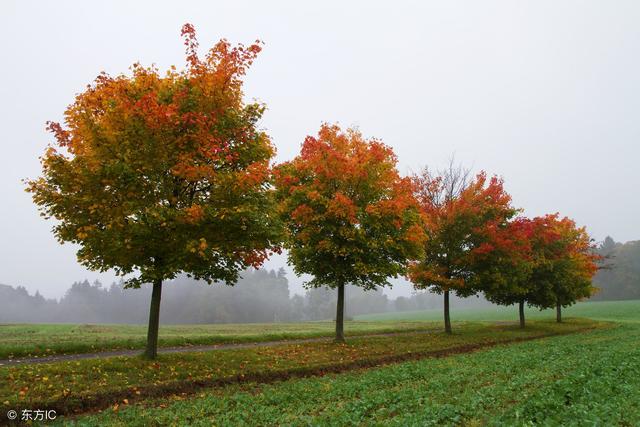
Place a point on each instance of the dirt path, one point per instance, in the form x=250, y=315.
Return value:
x=188, y=349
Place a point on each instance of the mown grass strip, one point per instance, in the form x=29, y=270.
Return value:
x=93, y=384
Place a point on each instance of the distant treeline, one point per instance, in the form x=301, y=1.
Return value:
x=260, y=296
x=620, y=279
x=264, y=296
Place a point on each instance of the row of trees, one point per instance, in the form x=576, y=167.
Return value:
x=350, y=218
x=478, y=242
x=156, y=175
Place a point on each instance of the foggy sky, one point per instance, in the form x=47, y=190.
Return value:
x=543, y=93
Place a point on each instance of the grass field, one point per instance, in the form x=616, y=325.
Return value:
x=18, y=340
x=619, y=311
x=81, y=384
x=580, y=372
x=587, y=379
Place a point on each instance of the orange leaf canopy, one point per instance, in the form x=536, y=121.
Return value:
x=350, y=217
x=162, y=173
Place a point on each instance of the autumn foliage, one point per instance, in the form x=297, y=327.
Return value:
x=564, y=261
x=153, y=174
x=477, y=244
x=461, y=221
x=350, y=218
x=545, y=262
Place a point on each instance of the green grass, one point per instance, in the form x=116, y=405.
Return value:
x=95, y=383
x=576, y=380
x=587, y=378
x=619, y=311
x=19, y=340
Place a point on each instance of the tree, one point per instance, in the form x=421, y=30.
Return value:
x=157, y=174
x=544, y=262
x=461, y=214
x=507, y=260
x=565, y=261
x=349, y=217
x=618, y=276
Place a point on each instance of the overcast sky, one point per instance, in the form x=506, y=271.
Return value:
x=543, y=93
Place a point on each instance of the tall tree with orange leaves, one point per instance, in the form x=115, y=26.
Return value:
x=156, y=174
x=462, y=215
x=350, y=218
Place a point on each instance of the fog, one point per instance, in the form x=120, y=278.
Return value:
x=266, y=296
x=259, y=296
x=544, y=93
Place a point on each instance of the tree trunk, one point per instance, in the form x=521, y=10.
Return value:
x=340, y=315
x=558, y=313
x=521, y=310
x=154, y=321
x=447, y=318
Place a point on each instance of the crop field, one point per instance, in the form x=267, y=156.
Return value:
x=584, y=371
x=581, y=379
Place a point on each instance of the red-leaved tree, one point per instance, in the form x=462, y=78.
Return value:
x=547, y=262
x=462, y=217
